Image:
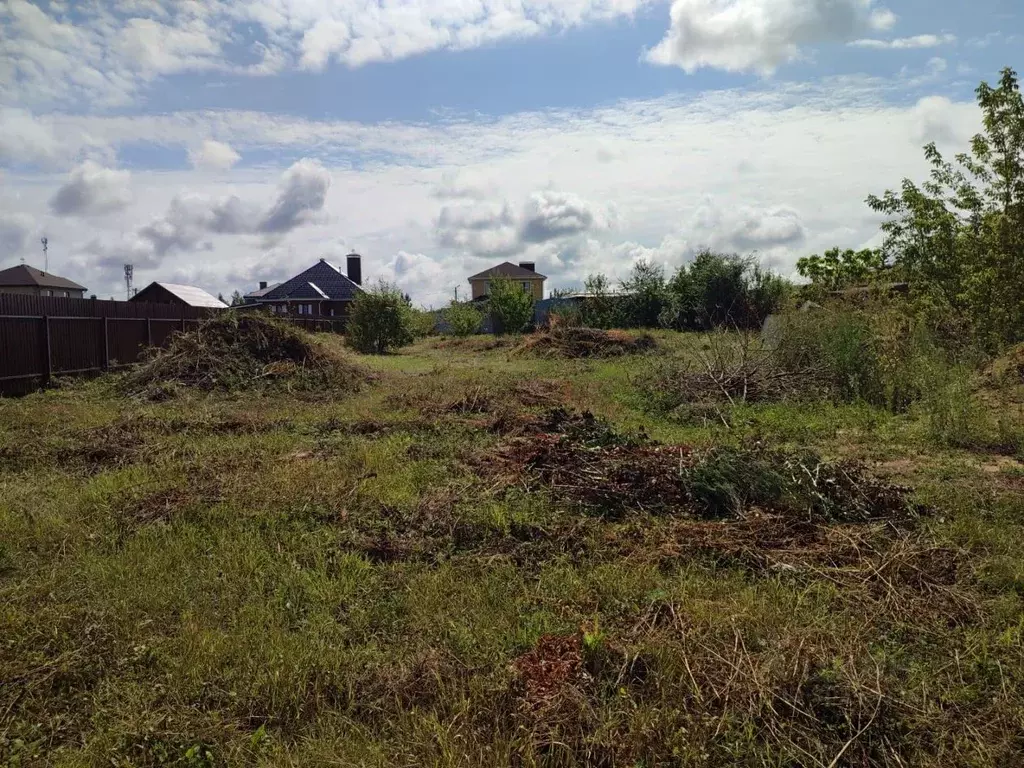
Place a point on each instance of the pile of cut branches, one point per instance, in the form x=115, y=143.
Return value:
x=575, y=342
x=242, y=352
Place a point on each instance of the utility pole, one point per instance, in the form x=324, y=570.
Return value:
x=129, y=273
x=46, y=254
x=456, y=294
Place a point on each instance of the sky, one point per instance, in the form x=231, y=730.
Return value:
x=225, y=142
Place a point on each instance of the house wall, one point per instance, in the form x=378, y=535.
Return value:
x=482, y=288
x=32, y=290
x=334, y=309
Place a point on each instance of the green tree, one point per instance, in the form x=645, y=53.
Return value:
x=600, y=308
x=959, y=236
x=380, y=320
x=237, y=299
x=643, y=295
x=463, y=318
x=511, y=306
x=838, y=269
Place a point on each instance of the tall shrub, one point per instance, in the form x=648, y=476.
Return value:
x=511, y=306
x=380, y=320
x=463, y=319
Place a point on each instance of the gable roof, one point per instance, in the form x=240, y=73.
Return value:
x=194, y=297
x=321, y=281
x=24, y=275
x=510, y=270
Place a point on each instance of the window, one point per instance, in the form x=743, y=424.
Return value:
x=65, y=294
x=526, y=286
x=47, y=293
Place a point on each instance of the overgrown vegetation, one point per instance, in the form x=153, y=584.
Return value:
x=381, y=320
x=466, y=568
x=463, y=319
x=511, y=307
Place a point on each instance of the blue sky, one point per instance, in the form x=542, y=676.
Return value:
x=432, y=135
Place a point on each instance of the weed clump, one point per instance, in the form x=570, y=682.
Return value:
x=574, y=342
x=242, y=352
x=582, y=461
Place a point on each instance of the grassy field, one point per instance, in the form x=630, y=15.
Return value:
x=383, y=579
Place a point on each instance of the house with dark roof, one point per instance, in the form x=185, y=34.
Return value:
x=525, y=274
x=260, y=292
x=323, y=290
x=30, y=281
x=182, y=295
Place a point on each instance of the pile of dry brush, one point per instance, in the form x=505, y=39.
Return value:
x=576, y=342
x=242, y=352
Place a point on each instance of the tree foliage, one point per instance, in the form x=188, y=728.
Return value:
x=511, y=306
x=380, y=320
x=838, y=269
x=463, y=319
x=959, y=237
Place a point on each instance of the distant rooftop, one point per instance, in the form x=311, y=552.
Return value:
x=23, y=275
x=193, y=296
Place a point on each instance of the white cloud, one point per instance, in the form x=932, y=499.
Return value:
x=681, y=188
x=760, y=35
x=906, y=43
x=14, y=233
x=549, y=215
x=303, y=193
x=213, y=155
x=480, y=228
x=24, y=139
x=92, y=190
x=113, y=50
x=490, y=229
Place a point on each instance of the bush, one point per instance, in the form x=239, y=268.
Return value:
x=422, y=323
x=463, y=319
x=881, y=355
x=511, y=306
x=381, y=320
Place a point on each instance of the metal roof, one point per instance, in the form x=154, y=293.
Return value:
x=328, y=281
x=194, y=297
x=510, y=270
x=24, y=275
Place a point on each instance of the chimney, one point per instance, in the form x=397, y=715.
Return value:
x=355, y=268
x=531, y=266
x=263, y=285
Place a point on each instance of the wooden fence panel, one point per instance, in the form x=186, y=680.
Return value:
x=76, y=345
x=127, y=337
x=22, y=347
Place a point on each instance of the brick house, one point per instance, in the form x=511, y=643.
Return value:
x=323, y=290
x=525, y=274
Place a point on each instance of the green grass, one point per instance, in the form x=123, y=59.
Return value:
x=276, y=580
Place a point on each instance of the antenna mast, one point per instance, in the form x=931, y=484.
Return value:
x=129, y=273
x=46, y=254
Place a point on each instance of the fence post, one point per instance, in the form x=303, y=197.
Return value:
x=106, y=343
x=149, y=332
x=182, y=322
x=48, y=369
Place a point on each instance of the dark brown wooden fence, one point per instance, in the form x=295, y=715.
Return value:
x=42, y=337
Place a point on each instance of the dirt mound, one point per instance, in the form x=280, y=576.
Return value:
x=581, y=460
x=586, y=343
x=242, y=352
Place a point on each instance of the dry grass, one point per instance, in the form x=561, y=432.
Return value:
x=439, y=570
